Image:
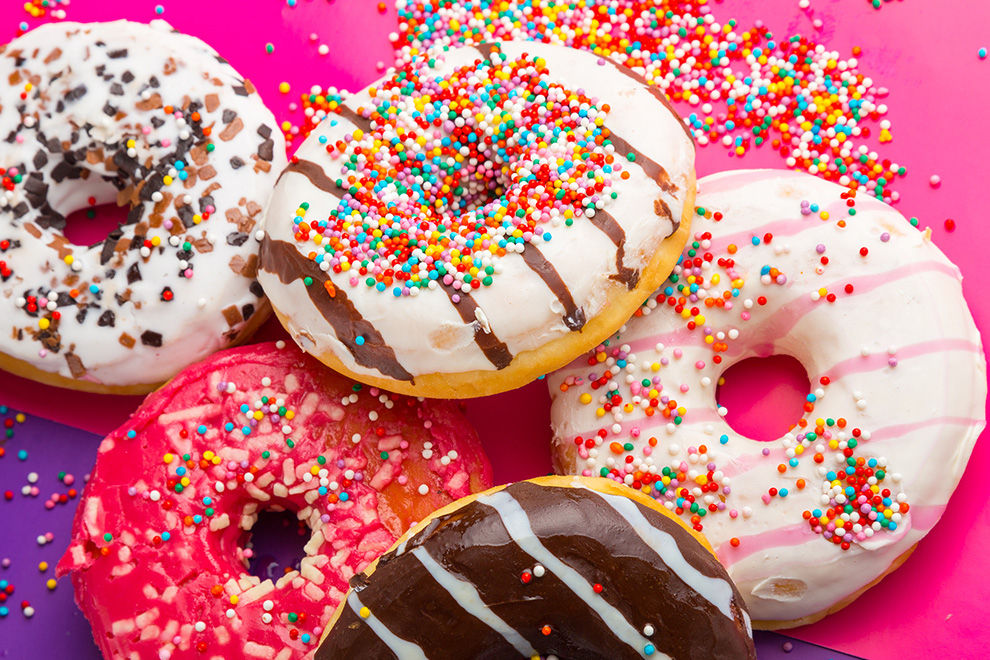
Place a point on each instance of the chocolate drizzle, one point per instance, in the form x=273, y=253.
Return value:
x=593, y=543
x=494, y=349
x=283, y=260
x=653, y=169
x=350, y=115
x=611, y=228
x=574, y=317
x=313, y=172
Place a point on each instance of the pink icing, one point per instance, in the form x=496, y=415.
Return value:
x=167, y=584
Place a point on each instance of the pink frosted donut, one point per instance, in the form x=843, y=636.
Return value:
x=157, y=557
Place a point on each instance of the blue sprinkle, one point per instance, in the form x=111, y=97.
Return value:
x=359, y=340
x=181, y=470
x=246, y=430
x=197, y=519
x=201, y=429
x=207, y=501
x=649, y=649
x=22, y=455
x=724, y=439
x=131, y=434
x=344, y=497
x=166, y=536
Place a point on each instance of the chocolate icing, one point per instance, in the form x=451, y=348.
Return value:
x=611, y=228
x=574, y=317
x=283, y=260
x=581, y=529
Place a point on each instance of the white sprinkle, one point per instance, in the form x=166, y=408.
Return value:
x=268, y=605
x=423, y=489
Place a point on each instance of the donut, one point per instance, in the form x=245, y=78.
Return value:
x=787, y=263
x=570, y=567
x=157, y=555
x=158, y=123
x=478, y=217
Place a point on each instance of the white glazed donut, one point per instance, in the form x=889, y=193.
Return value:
x=542, y=204
x=875, y=314
x=159, y=123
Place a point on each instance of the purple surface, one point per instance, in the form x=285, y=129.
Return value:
x=58, y=629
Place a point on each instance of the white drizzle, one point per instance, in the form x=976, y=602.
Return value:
x=401, y=647
x=470, y=601
x=517, y=524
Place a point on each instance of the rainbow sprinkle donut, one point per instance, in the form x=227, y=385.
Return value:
x=157, y=555
x=785, y=263
x=478, y=217
x=158, y=123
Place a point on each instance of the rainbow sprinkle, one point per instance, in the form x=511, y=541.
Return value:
x=744, y=87
x=457, y=170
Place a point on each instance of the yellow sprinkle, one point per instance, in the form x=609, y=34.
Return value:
x=184, y=481
x=69, y=259
x=43, y=323
x=234, y=599
x=43, y=566
x=51, y=584
x=314, y=470
x=167, y=180
x=167, y=458
x=284, y=87
x=585, y=398
x=364, y=612
x=289, y=414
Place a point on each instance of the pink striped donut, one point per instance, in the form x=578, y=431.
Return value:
x=787, y=263
x=157, y=557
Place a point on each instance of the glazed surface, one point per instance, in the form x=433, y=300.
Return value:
x=785, y=263
x=158, y=556
x=539, y=570
x=486, y=280
x=158, y=123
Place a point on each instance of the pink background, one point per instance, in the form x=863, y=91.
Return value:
x=924, y=52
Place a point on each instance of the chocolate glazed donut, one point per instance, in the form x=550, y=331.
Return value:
x=558, y=566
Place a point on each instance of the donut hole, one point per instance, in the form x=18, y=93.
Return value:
x=764, y=396
x=276, y=543
x=92, y=225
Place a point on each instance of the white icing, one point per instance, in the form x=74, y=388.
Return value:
x=192, y=324
x=425, y=330
x=517, y=524
x=469, y=599
x=923, y=415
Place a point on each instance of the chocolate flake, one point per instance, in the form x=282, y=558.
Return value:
x=134, y=271
x=150, y=338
